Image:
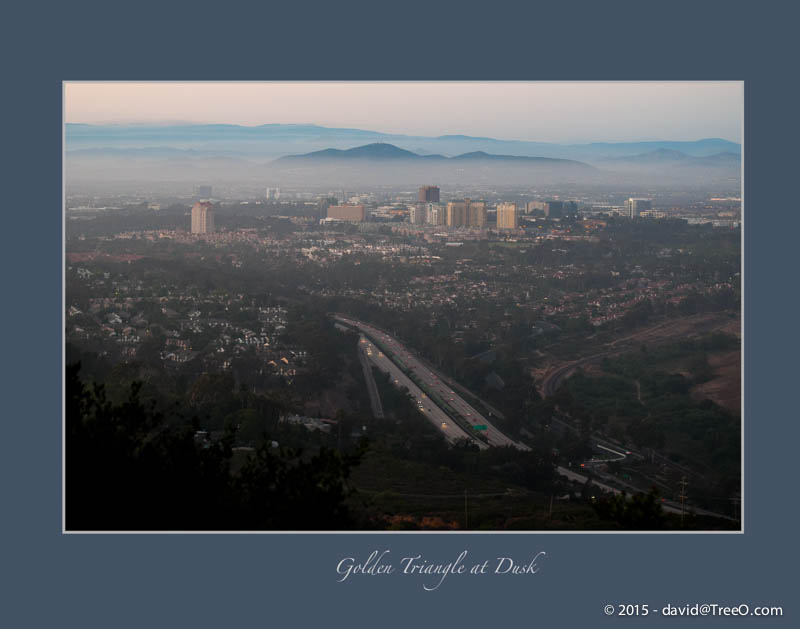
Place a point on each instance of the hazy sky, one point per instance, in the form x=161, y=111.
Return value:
x=547, y=112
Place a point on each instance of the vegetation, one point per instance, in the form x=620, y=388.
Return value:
x=127, y=468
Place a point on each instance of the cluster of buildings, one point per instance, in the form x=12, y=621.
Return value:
x=428, y=210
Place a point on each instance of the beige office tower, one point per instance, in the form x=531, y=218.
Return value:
x=477, y=214
x=466, y=213
x=507, y=216
x=456, y=214
x=348, y=212
x=202, y=218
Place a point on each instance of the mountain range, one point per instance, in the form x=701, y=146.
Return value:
x=276, y=140
x=301, y=155
x=380, y=151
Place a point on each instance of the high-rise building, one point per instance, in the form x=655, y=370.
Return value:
x=202, y=218
x=352, y=213
x=633, y=207
x=530, y=206
x=418, y=213
x=428, y=194
x=436, y=214
x=203, y=192
x=273, y=194
x=323, y=203
x=553, y=209
x=466, y=213
x=507, y=216
x=456, y=214
x=477, y=214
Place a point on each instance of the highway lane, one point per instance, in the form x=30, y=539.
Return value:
x=402, y=355
x=451, y=431
x=372, y=389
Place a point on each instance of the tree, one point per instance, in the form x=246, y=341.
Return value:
x=127, y=468
x=639, y=512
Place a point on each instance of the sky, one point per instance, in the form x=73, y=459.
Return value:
x=546, y=112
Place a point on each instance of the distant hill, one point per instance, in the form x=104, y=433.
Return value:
x=381, y=163
x=375, y=151
x=654, y=157
x=668, y=156
x=380, y=151
x=274, y=140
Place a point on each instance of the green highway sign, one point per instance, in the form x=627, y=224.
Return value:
x=480, y=427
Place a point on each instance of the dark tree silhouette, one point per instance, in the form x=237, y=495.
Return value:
x=639, y=512
x=128, y=468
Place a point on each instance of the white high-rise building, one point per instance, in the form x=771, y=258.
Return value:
x=634, y=207
x=436, y=214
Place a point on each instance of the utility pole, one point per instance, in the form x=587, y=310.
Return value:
x=466, y=511
x=682, y=496
x=735, y=501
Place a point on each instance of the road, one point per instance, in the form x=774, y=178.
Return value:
x=451, y=431
x=403, y=357
x=372, y=389
x=667, y=505
x=553, y=379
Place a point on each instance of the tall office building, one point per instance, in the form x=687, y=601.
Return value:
x=466, y=213
x=456, y=214
x=352, y=213
x=428, y=194
x=553, y=209
x=477, y=214
x=202, y=192
x=530, y=206
x=273, y=194
x=507, y=217
x=418, y=213
x=324, y=203
x=202, y=218
x=633, y=207
x=436, y=214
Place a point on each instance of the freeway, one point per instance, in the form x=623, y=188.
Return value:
x=451, y=431
x=405, y=359
x=372, y=389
